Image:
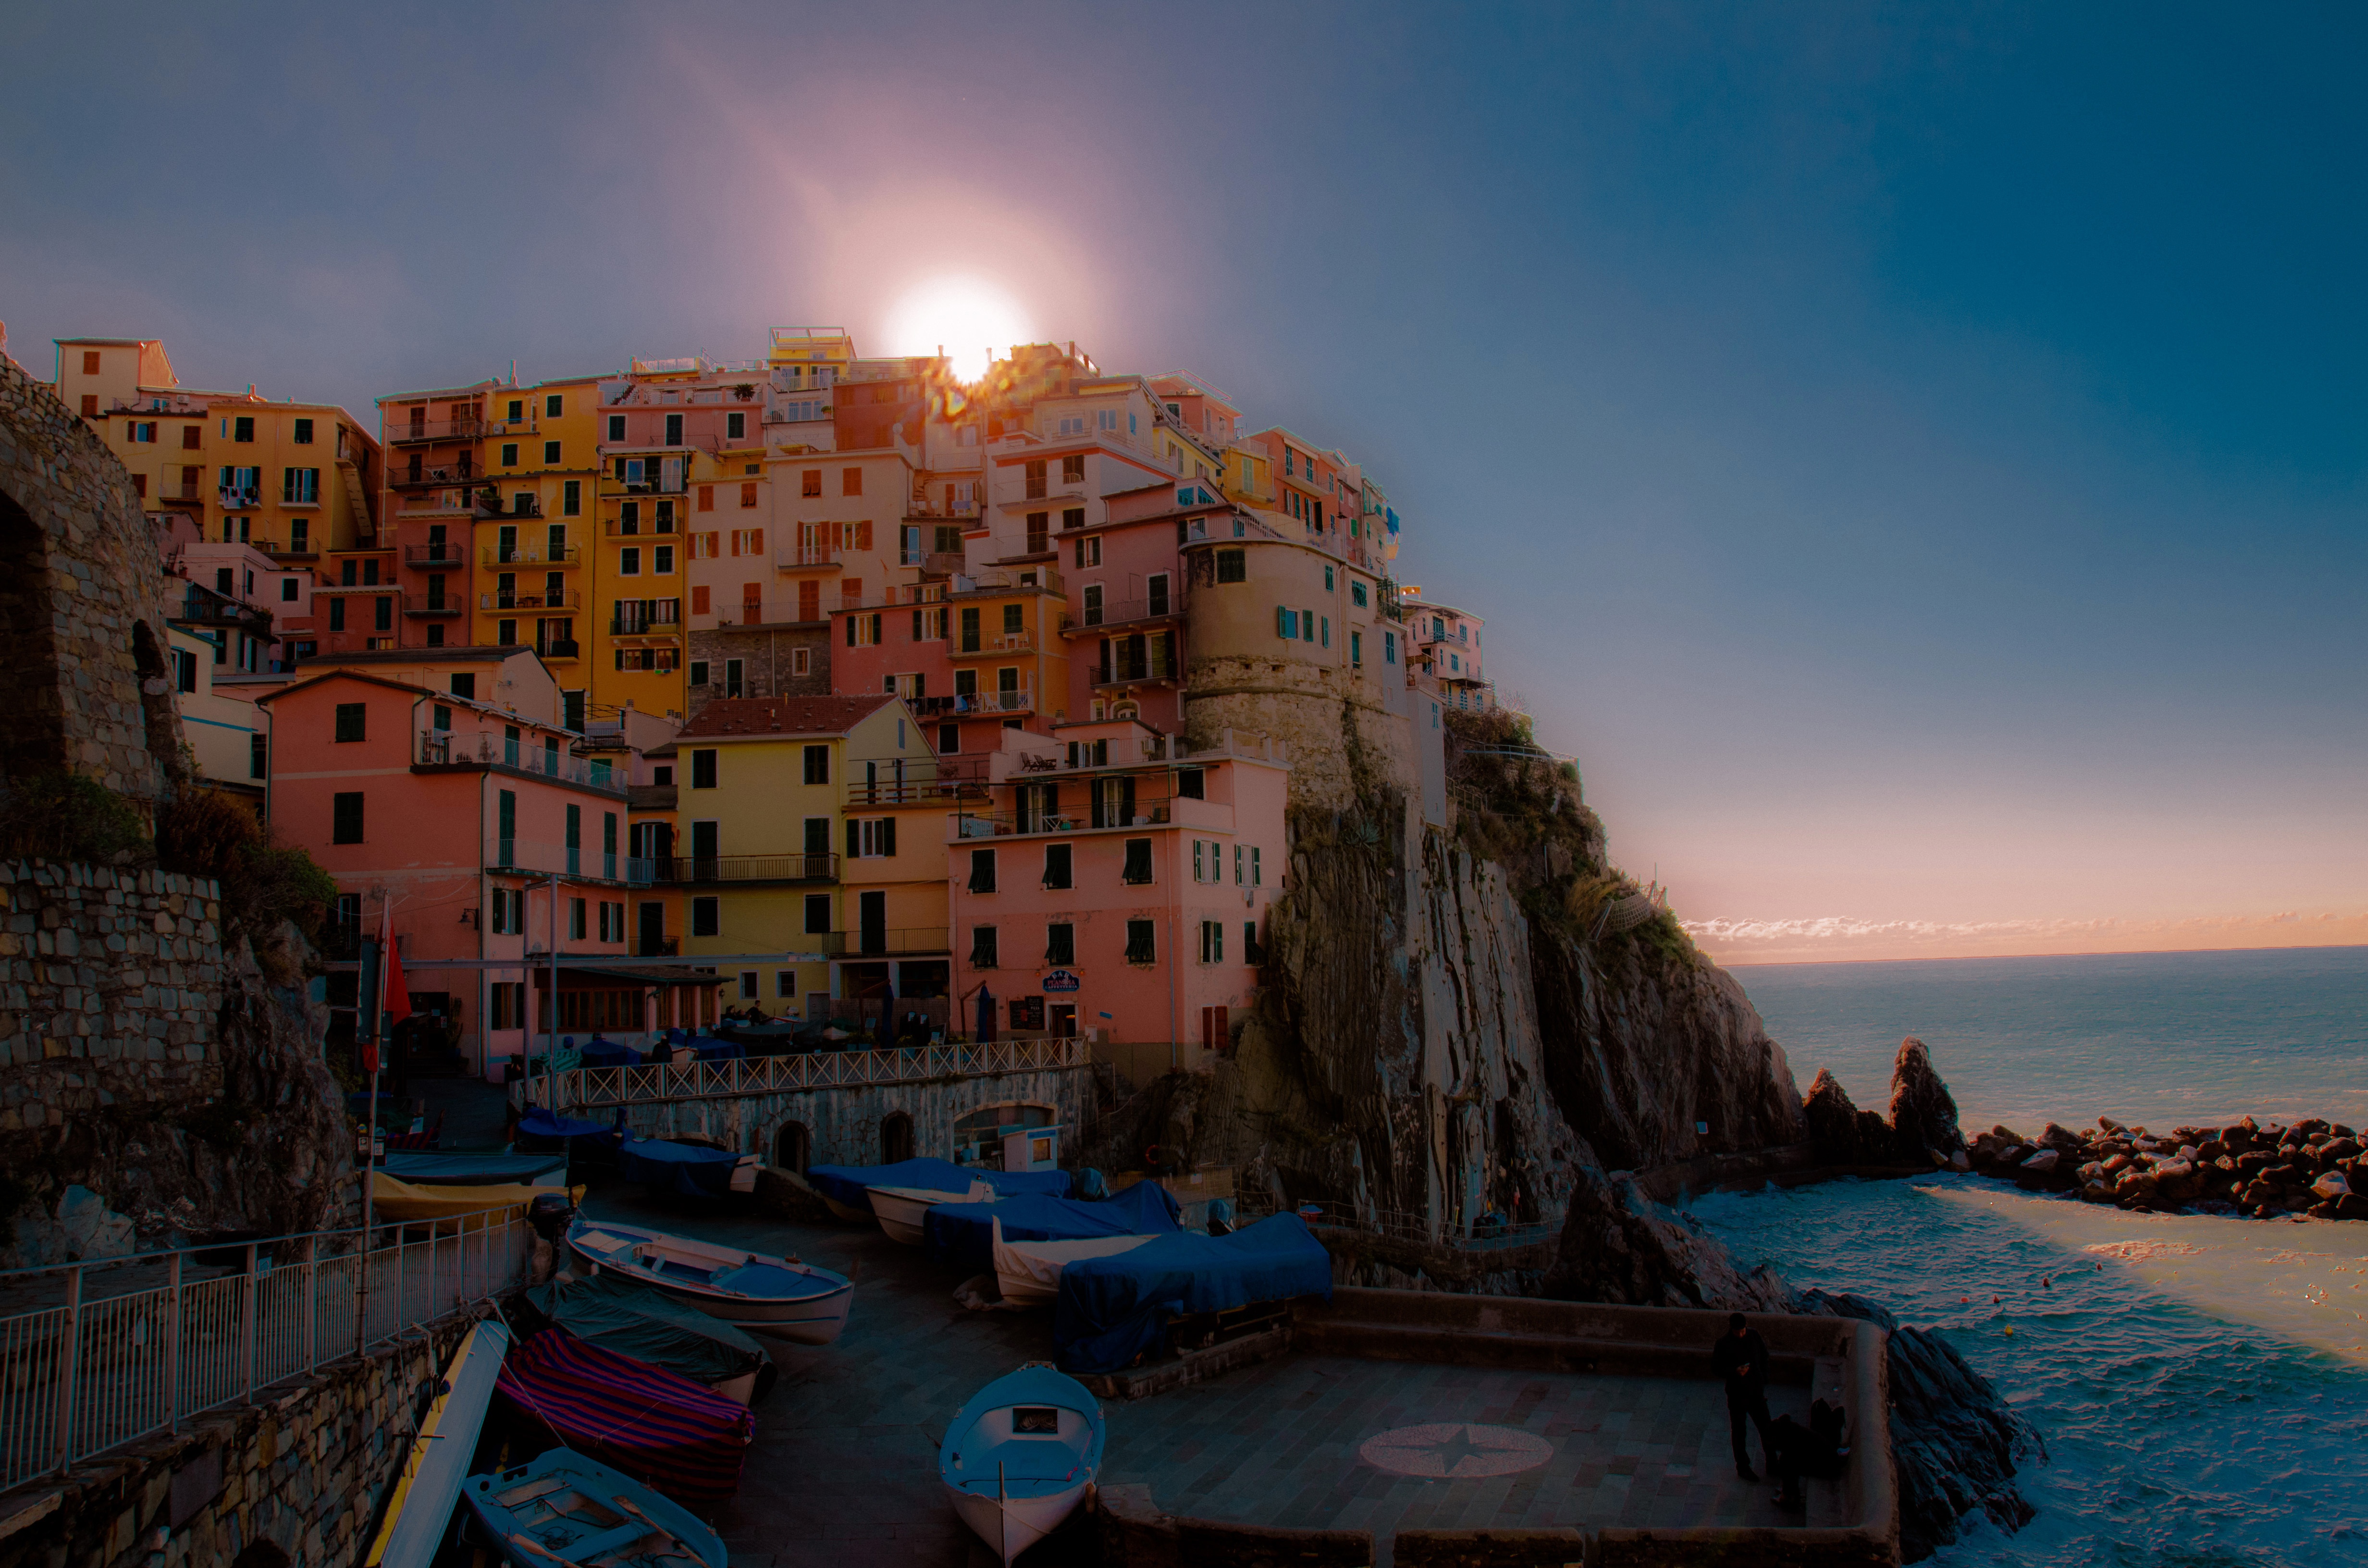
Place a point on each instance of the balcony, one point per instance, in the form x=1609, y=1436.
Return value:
x=665, y=623
x=435, y=556
x=796, y=558
x=572, y=599
x=435, y=430
x=915, y=791
x=649, y=796
x=978, y=703
x=207, y=607
x=475, y=505
x=661, y=527
x=537, y=859
x=1094, y=620
x=433, y=604
x=1047, y=492
x=696, y=871
x=1153, y=667
x=886, y=941
x=648, y=485
x=934, y=563
x=238, y=500
x=411, y=476
x=559, y=652
x=296, y=550
x=988, y=647
x=657, y=947
x=524, y=555
x=443, y=748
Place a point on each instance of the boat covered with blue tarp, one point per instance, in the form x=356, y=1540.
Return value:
x=423, y=1168
x=540, y=1130
x=1112, y=1310
x=687, y=1170
x=848, y=1183
x=964, y=1233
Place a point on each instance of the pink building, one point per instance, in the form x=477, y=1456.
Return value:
x=1117, y=886
x=470, y=818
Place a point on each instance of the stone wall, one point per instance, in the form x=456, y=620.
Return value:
x=113, y=981
x=843, y=1125
x=1339, y=740
x=765, y=655
x=82, y=604
x=306, y=1469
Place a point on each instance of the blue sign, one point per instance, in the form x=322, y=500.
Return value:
x=1061, y=980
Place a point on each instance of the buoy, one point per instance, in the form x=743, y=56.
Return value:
x=2010, y=1333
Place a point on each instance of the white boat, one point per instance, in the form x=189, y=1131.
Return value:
x=1029, y=1272
x=776, y=1297
x=903, y=1211
x=1020, y=1455
x=420, y=1507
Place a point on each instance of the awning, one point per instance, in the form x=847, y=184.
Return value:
x=573, y=977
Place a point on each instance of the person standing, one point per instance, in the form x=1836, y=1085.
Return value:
x=1741, y=1361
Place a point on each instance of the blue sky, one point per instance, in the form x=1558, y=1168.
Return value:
x=1912, y=458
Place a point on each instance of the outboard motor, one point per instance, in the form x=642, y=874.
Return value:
x=1221, y=1217
x=551, y=1213
x=1091, y=1187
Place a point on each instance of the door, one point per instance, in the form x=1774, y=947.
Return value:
x=506, y=546
x=895, y=1138
x=703, y=841
x=1060, y=1019
x=652, y=939
x=872, y=913
x=809, y=600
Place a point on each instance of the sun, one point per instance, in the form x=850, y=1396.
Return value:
x=970, y=317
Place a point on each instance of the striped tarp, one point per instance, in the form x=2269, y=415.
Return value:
x=658, y=1427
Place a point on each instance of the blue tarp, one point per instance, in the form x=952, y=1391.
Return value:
x=685, y=1168
x=422, y=1168
x=539, y=1127
x=608, y=1053
x=845, y=1184
x=1112, y=1308
x=964, y=1233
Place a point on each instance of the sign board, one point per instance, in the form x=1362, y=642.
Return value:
x=1061, y=980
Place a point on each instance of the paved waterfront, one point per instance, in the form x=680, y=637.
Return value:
x=845, y=1468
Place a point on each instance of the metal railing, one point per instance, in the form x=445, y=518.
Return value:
x=447, y=555
x=788, y=558
x=536, y=857
x=1121, y=612
x=434, y=603
x=594, y=1088
x=914, y=792
x=436, y=430
x=693, y=870
x=439, y=473
x=1022, y=701
x=97, y=1353
x=1121, y=672
x=998, y=642
x=570, y=600
x=443, y=748
x=529, y=555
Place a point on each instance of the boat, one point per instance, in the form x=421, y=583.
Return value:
x=687, y=1170
x=622, y=1313
x=420, y=1507
x=962, y=1235
x=1020, y=1455
x=904, y=1212
x=778, y=1297
x=393, y=1199
x=677, y=1435
x=843, y=1186
x=1029, y=1272
x=422, y=1167
x=561, y=1506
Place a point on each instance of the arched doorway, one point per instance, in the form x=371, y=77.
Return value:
x=895, y=1138
x=31, y=704
x=792, y=1147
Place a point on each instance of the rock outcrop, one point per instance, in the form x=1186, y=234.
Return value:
x=1953, y=1440
x=1840, y=1132
x=2313, y=1167
x=1619, y=1245
x=1923, y=1112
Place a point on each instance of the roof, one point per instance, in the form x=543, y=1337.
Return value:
x=750, y=716
x=458, y=653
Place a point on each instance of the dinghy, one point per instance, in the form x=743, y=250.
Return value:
x=401, y=1201
x=1029, y=1272
x=420, y=1506
x=1019, y=1456
x=776, y=1297
x=560, y=1507
x=904, y=1212
x=843, y=1186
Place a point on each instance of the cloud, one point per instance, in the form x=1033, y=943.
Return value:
x=1848, y=936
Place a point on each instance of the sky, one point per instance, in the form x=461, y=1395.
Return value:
x=1911, y=457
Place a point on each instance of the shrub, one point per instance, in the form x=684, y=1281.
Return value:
x=67, y=816
x=206, y=832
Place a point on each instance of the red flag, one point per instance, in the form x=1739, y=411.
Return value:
x=398, y=994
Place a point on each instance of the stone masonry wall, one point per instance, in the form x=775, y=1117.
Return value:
x=82, y=603
x=843, y=1125
x=306, y=1469
x=1331, y=733
x=113, y=981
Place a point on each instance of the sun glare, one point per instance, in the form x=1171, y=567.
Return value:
x=970, y=318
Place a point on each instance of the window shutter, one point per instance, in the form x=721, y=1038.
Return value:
x=888, y=836
x=851, y=838
x=1126, y=804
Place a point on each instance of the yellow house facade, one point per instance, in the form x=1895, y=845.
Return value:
x=535, y=562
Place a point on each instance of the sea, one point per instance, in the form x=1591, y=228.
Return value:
x=2200, y=1383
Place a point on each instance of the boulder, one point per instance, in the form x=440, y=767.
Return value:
x=2060, y=1140
x=1923, y=1112
x=2259, y=1194
x=2043, y=1162
x=2331, y=1186
x=1840, y=1132
x=2097, y=1192
x=2351, y=1206
x=2177, y=1181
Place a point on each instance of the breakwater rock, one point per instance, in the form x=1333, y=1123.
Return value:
x=1920, y=1133
x=2311, y=1167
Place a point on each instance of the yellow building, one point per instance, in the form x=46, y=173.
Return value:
x=533, y=572
x=777, y=868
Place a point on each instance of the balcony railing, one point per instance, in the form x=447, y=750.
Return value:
x=213, y=609
x=1123, y=612
x=472, y=505
x=436, y=430
x=1022, y=701
x=601, y=1089
x=238, y=500
x=1028, y=491
x=446, y=554
x=934, y=563
x=569, y=599
x=1126, y=671
x=443, y=748
x=441, y=473
x=538, y=858
x=1001, y=642
x=884, y=940
x=433, y=604
x=793, y=557
x=651, y=625
x=295, y=549
x=691, y=871
x=532, y=555
x=660, y=527
x=561, y=651
x=915, y=791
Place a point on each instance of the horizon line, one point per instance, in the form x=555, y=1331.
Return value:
x=1993, y=957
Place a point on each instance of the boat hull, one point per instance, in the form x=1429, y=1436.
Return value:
x=904, y=1212
x=522, y=1512
x=1020, y=1456
x=816, y=1317
x=1015, y=1524
x=420, y=1510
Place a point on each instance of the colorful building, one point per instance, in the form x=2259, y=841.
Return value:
x=534, y=573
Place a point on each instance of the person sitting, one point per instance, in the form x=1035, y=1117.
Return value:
x=1815, y=1451
x=757, y=1014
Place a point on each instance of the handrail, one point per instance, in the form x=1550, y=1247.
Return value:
x=601, y=1087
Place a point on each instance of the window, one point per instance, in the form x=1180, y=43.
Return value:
x=1088, y=551
x=616, y=426
x=551, y=453
x=662, y=560
x=1060, y=944
x=1357, y=595
x=1326, y=622
x=735, y=426
x=576, y=920
x=351, y=719
x=748, y=494
x=870, y=838
x=90, y=362
x=510, y=454
x=258, y=752
x=817, y=765
x=1073, y=517
x=1213, y=941
x=707, y=497
x=702, y=769
x=1357, y=648
x=818, y=910
x=982, y=946
x=706, y=917
x=1138, y=862
x=850, y=482
x=747, y=985
x=1057, y=866
x=1191, y=783
x=552, y=403
x=673, y=430
x=629, y=561
x=800, y=661
x=242, y=428
x=810, y=482
x=346, y=818
x=982, y=870
x=1232, y=565
x=1256, y=877
x=1286, y=624
x=1389, y=647
x=1327, y=579
x=506, y=998
x=785, y=983
x=190, y=439
x=1141, y=946
x=1040, y=533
